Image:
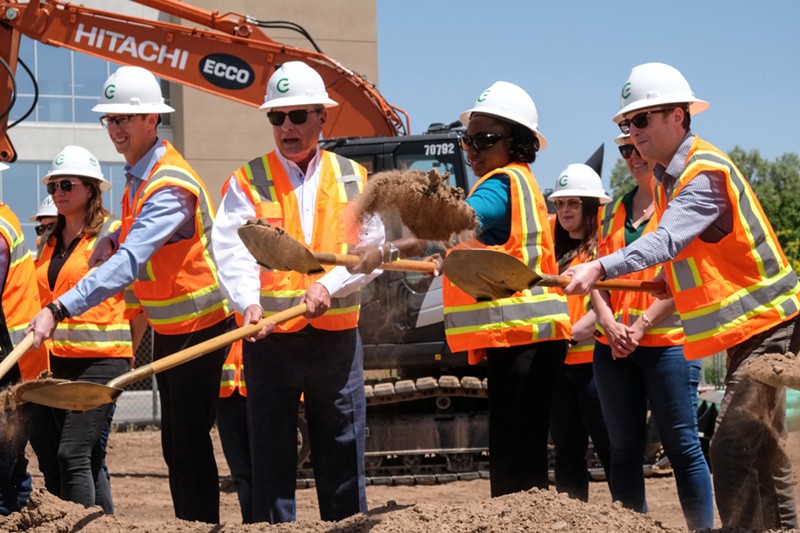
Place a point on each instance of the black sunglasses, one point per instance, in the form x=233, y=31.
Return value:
x=640, y=120
x=481, y=141
x=65, y=185
x=42, y=228
x=626, y=151
x=298, y=116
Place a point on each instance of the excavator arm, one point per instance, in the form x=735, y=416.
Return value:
x=232, y=58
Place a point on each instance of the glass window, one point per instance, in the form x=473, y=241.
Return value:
x=83, y=110
x=22, y=190
x=90, y=74
x=21, y=106
x=53, y=70
x=54, y=109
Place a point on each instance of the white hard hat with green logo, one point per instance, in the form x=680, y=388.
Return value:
x=510, y=102
x=581, y=181
x=656, y=85
x=46, y=209
x=132, y=90
x=77, y=161
x=295, y=83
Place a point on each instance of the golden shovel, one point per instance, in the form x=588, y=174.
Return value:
x=490, y=274
x=84, y=395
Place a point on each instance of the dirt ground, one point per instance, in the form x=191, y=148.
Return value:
x=142, y=500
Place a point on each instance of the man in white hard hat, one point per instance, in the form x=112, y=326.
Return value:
x=303, y=190
x=164, y=250
x=732, y=285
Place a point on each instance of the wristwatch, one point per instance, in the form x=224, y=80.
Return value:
x=59, y=311
x=391, y=255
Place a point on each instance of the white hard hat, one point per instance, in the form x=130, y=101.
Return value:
x=510, y=102
x=623, y=139
x=579, y=180
x=77, y=161
x=3, y=167
x=653, y=85
x=132, y=90
x=295, y=83
x=46, y=209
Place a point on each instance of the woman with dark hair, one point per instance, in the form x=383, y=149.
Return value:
x=576, y=413
x=94, y=346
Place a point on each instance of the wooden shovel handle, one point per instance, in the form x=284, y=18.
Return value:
x=548, y=280
x=405, y=265
x=204, y=347
x=16, y=354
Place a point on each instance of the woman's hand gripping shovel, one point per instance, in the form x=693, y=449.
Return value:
x=84, y=395
x=490, y=274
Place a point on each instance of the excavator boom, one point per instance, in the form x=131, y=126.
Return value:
x=233, y=58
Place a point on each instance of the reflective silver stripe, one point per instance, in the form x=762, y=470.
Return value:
x=527, y=213
x=672, y=321
x=228, y=376
x=194, y=305
x=511, y=313
x=272, y=304
x=92, y=334
x=686, y=274
x=346, y=175
x=17, y=334
x=747, y=303
x=130, y=298
x=607, y=214
x=19, y=250
x=789, y=306
x=261, y=178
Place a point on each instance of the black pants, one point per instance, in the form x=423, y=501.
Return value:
x=521, y=382
x=232, y=425
x=189, y=395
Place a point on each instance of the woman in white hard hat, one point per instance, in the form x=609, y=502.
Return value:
x=94, y=346
x=639, y=361
x=576, y=414
x=523, y=338
x=46, y=217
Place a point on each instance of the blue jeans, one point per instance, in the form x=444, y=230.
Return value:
x=328, y=367
x=576, y=416
x=664, y=377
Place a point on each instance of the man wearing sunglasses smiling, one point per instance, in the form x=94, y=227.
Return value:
x=164, y=250
x=733, y=287
x=304, y=191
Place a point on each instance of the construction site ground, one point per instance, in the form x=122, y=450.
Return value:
x=141, y=495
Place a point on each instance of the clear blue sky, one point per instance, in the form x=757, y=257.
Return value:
x=436, y=57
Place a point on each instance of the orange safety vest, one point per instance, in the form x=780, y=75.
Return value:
x=233, y=372
x=730, y=290
x=628, y=306
x=178, y=289
x=265, y=182
x=533, y=315
x=19, y=304
x=102, y=331
x=579, y=305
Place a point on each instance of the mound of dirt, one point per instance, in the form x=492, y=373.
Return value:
x=530, y=511
x=428, y=206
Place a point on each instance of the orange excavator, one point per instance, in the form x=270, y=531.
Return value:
x=230, y=57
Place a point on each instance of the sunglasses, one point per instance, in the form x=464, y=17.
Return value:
x=626, y=151
x=641, y=120
x=480, y=141
x=64, y=185
x=572, y=203
x=119, y=120
x=43, y=228
x=298, y=116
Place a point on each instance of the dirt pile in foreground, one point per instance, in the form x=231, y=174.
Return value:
x=532, y=511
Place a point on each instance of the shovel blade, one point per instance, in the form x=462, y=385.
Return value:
x=275, y=249
x=72, y=395
x=488, y=274
x=775, y=370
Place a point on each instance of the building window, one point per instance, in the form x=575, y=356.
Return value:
x=69, y=84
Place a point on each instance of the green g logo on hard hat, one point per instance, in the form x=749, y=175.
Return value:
x=283, y=85
x=59, y=160
x=484, y=94
x=563, y=180
x=626, y=91
x=109, y=91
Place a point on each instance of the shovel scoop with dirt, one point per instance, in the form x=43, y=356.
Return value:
x=775, y=369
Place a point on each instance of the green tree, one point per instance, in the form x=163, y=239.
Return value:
x=777, y=186
x=621, y=180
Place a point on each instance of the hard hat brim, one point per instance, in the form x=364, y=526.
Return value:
x=103, y=185
x=604, y=198
x=3, y=166
x=143, y=109
x=696, y=106
x=291, y=101
x=502, y=115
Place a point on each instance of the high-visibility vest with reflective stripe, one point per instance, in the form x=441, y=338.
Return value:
x=533, y=315
x=265, y=182
x=233, y=372
x=178, y=288
x=628, y=306
x=102, y=331
x=20, y=301
x=730, y=290
x=579, y=305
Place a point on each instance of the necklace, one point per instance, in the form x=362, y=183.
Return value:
x=62, y=251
